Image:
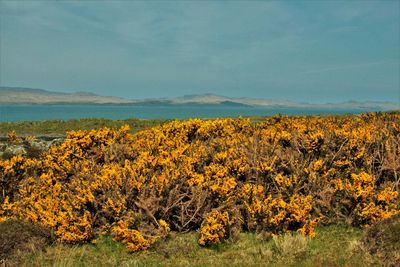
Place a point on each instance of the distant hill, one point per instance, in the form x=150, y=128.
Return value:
x=212, y=99
x=16, y=95
x=217, y=99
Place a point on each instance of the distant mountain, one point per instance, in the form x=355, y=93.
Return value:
x=14, y=95
x=18, y=95
x=217, y=99
x=211, y=99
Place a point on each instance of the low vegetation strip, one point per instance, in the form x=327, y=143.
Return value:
x=337, y=245
x=57, y=128
x=216, y=177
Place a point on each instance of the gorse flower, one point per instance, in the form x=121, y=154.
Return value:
x=215, y=228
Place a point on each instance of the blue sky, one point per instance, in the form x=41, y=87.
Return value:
x=310, y=51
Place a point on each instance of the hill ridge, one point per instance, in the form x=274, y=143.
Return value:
x=24, y=95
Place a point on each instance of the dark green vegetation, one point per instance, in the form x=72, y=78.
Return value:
x=335, y=245
x=383, y=240
x=17, y=239
x=59, y=127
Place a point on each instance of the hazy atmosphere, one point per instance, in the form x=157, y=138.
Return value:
x=317, y=51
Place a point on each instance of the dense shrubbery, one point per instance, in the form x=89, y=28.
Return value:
x=215, y=176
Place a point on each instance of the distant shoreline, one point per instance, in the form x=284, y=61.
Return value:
x=29, y=96
x=36, y=112
x=205, y=105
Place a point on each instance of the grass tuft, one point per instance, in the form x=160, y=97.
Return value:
x=291, y=245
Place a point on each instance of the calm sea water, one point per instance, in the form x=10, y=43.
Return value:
x=65, y=112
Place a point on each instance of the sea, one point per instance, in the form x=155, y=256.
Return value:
x=31, y=112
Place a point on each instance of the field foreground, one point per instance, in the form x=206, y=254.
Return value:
x=225, y=179
x=337, y=245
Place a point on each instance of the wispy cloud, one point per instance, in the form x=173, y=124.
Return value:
x=350, y=66
x=158, y=48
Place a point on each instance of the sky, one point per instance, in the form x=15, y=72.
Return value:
x=308, y=51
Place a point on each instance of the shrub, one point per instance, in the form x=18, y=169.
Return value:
x=285, y=174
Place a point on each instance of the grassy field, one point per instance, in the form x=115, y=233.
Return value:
x=59, y=127
x=336, y=245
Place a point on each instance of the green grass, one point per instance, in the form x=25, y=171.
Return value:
x=59, y=127
x=336, y=245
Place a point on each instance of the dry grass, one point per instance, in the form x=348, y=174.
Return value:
x=291, y=245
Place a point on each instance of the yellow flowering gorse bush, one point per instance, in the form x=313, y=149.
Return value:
x=283, y=174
